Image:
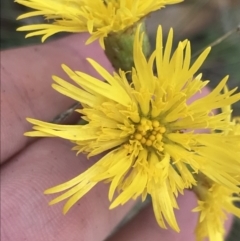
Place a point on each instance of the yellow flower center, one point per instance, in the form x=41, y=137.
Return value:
x=148, y=133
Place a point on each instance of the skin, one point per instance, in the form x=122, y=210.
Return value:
x=31, y=165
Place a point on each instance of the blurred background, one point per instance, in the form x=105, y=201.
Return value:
x=201, y=21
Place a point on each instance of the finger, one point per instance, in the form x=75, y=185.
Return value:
x=26, y=84
x=25, y=212
x=144, y=226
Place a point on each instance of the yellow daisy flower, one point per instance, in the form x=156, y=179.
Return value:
x=98, y=17
x=148, y=128
x=214, y=202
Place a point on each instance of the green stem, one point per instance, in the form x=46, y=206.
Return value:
x=119, y=47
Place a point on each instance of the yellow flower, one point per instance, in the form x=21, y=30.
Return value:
x=98, y=17
x=213, y=205
x=148, y=127
x=214, y=199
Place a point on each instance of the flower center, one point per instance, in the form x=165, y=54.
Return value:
x=149, y=133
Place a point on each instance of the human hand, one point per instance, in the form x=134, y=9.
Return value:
x=29, y=166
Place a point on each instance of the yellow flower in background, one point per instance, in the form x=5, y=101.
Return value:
x=214, y=200
x=212, y=206
x=148, y=128
x=98, y=17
